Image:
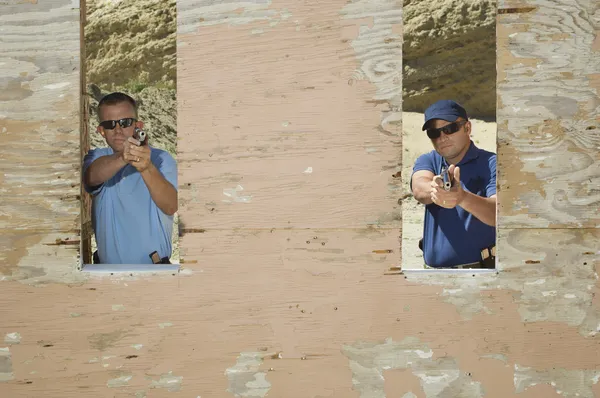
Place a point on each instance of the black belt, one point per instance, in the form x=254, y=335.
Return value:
x=488, y=259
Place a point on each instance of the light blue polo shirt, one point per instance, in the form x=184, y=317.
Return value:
x=454, y=236
x=127, y=223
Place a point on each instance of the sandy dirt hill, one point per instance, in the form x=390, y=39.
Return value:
x=131, y=41
x=449, y=51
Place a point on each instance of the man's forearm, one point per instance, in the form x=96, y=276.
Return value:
x=422, y=193
x=103, y=168
x=482, y=208
x=161, y=190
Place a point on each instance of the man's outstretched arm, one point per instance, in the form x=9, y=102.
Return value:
x=421, y=186
x=103, y=168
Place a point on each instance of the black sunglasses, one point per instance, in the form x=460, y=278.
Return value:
x=111, y=124
x=448, y=129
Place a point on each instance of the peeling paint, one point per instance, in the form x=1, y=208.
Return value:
x=439, y=378
x=168, y=381
x=118, y=307
x=119, y=381
x=245, y=378
x=6, y=370
x=165, y=325
x=193, y=16
x=568, y=383
x=102, y=341
x=234, y=194
x=499, y=357
x=378, y=49
x=563, y=274
x=57, y=85
x=12, y=338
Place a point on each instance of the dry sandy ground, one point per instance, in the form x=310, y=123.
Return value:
x=415, y=143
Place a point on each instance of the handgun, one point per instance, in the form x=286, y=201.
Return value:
x=140, y=135
x=447, y=178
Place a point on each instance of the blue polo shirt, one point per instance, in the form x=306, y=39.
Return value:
x=127, y=223
x=454, y=236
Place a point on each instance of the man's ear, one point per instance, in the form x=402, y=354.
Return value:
x=100, y=130
x=139, y=124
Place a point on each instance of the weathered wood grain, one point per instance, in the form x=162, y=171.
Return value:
x=260, y=311
x=86, y=199
x=548, y=104
x=302, y=130
x=39, y=128
x=554, y=274
x=39, y=258
x=259, y=314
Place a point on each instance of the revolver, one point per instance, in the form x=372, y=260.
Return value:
x=140, y=135
x=447, y=178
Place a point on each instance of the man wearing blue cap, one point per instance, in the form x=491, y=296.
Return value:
x=457, y=184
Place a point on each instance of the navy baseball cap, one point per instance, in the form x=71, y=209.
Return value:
x=446, y=110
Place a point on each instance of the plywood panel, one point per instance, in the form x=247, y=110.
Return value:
x=86, y=199
x=39, y=129
x=265, y=311
x=548, y=104
x=39, y=257
x=293, y=120
x=260, y=314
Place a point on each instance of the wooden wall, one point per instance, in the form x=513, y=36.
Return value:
x=39, y=140
x=289, y=127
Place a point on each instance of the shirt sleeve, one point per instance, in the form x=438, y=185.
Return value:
x=491, y=187
x=168, y=168
x=89, y=158
x=423, y=162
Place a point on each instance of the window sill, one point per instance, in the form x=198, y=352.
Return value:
x=130, y=268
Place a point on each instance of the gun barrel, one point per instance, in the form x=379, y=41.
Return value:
x=140, y=135
x=447, y=180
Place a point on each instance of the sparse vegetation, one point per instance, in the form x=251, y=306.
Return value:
x=130, y=46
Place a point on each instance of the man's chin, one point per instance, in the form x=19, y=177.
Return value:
x=445, y=151
x=117, y=146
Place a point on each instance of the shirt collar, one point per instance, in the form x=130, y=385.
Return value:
x=472, y=154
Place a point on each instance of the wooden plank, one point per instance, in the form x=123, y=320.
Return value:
x=39, y=131
x=42, y=214
x=32, y=257
x=548, y=123
x=326, y=248
x=296, y=319
x=86, y=199
x=303, y=131
x=554, y=275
